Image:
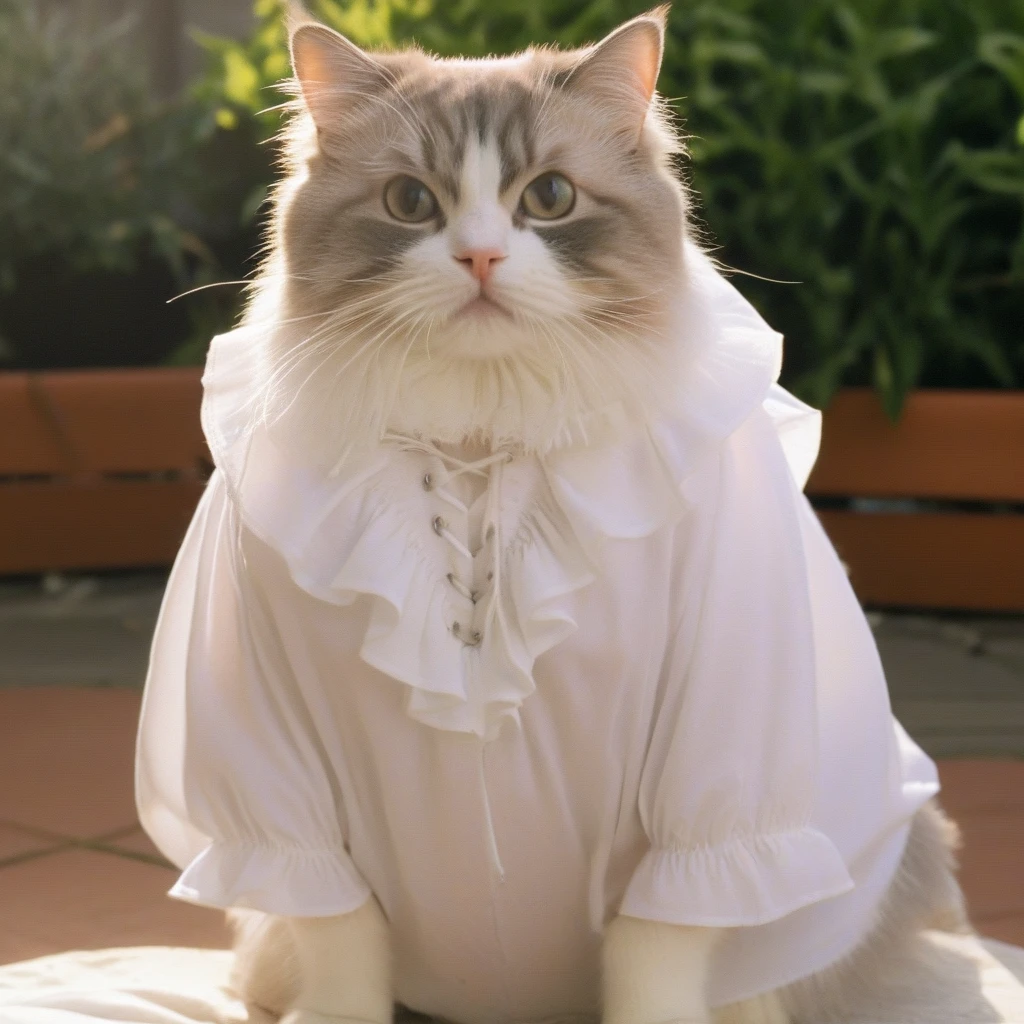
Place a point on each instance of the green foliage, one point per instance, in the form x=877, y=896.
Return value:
x=870, y=150
x=91, y=168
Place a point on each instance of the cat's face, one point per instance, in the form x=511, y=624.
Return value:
x=508, y=216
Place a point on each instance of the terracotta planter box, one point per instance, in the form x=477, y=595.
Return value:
x=959, y=451
x=98, y=468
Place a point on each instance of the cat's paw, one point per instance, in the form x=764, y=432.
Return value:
x=700, y=1018
x=312, y=1017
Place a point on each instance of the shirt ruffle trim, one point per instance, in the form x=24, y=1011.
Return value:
x=349, y=537
x=408, y=636
x=275, y=879
x=742, y=882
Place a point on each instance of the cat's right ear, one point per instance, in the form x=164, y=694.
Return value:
x=622, y=69
x=333, y=73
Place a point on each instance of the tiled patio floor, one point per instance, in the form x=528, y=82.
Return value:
x=957, y=682
x=76, y=871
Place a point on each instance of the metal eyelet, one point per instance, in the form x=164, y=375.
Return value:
x=458, y=585
x=439, y=525
x=428, y=482
x=470, y=641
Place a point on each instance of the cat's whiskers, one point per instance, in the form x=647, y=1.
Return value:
x=600, y=354
x=397, y=377
x=569, y=390
x=315, y=371
x=277, y=387
x=552, y=337
x=348, y=315
x=382, y=409
x=636, y=322
x=313, y=316
x=570, y=387
x=548, y=333
x=330, y=333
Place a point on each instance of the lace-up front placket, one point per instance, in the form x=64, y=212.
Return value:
x=475, y=576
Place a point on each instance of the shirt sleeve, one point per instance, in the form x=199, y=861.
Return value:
x=730, y=778
x=230, y=783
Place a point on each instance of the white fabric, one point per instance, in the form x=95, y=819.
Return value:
x=950, y=979
x=665, y=699
x=143, y=985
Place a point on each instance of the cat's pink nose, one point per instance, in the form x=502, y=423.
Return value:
x=480, y=262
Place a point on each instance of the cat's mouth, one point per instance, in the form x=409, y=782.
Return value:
x=483, y=306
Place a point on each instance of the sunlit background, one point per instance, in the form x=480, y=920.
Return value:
x=869, y=150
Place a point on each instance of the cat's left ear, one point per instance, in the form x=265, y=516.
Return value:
x=623, y=68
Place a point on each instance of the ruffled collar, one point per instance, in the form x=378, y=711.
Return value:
x=371, y=531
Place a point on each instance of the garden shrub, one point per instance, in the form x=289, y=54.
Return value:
x=90, y=164
x=95, y=178
x=872, y=151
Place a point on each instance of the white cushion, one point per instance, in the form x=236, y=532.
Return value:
x=953, y=980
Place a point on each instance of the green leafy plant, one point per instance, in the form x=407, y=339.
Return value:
x=871, y=151
x=92, y=170
x=868, y=151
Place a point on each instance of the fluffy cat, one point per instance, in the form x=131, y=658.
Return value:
x=481, y=253
x=371, y=326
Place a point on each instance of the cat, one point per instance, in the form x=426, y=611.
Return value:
x=586, y=331
x=481, y=253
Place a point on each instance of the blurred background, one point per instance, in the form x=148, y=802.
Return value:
x=870, y=150
x=860, y=163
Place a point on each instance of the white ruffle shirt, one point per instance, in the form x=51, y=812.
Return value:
x=631, y=677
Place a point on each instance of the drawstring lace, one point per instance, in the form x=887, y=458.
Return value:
x=491, y=467
x=492, y=838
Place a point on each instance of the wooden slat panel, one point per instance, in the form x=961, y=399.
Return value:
x=948, y=444
x=932, y=561
x=127, y=421
x=28, y=444
x=111, y=523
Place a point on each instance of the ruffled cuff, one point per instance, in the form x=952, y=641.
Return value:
x=275, y=879
x=746, y=881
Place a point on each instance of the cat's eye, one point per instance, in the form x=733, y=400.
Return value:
x=549, y=197
x=409, y=200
